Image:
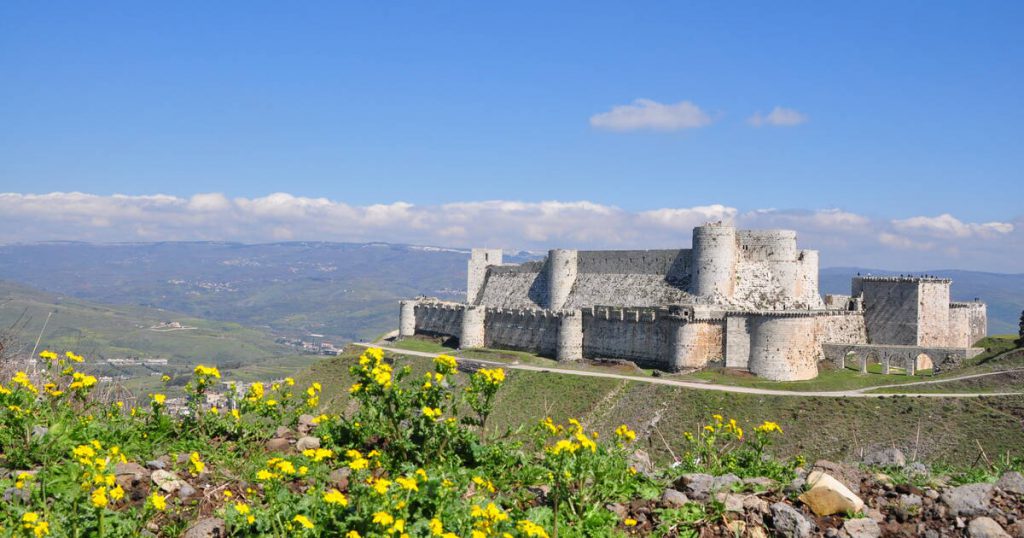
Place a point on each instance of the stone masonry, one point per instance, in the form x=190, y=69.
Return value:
x=745, y=299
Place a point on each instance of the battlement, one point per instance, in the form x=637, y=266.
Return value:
x=905, y=279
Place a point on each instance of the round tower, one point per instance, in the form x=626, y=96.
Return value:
x=783, y=348
x=714, y=261
x=561, y=269
x=570, y=337
x=472, y=334
x=407, y=318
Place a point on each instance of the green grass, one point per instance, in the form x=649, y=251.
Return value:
x=936, y=429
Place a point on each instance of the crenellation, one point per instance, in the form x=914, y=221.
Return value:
x=748, y=298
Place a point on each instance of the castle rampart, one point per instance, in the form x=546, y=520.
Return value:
x=747, y=299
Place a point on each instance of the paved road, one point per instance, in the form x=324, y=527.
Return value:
x=854, y=393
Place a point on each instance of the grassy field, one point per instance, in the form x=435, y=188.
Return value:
x=935, y=430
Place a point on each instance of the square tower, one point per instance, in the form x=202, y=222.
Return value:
x=909, y=311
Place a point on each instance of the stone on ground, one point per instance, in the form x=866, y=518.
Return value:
x=306, y=443
x=167, y=481
x=863, y=527
x=969, y=499
x=985, y=527
x=1011, y=482
x=673, y=498
x=789, y=522
x=885, y=457
x=208, y=527
x=829, y=496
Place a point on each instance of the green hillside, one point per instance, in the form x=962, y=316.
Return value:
x=103, y=332
x=936, y=430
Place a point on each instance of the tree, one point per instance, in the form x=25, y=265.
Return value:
x=1020, y=332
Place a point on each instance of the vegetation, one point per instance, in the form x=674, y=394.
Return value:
x=415, y=455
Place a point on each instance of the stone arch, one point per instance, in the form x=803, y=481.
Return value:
x=923, y=361
x=851, y=360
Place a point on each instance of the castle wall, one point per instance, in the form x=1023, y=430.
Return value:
x=737, y=342
x=535, y=331
x=570, y=336
x=693, y=344
x=967, y=324
x=783, y=348
x=890, y=310
x=516, y=286
x=617, y=333
x=439, y=318
x=806, y=291
x=933, y=314
x=842, y=327
x=472, y=333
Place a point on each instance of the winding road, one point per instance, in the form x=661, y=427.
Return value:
x=852, y=393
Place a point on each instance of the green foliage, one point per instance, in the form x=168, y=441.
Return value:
x=721, y=447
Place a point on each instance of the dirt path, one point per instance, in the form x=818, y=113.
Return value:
x=853, y=393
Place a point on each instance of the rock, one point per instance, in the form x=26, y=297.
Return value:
x=131, y=477
x=829, y=496
x=38, y=432
x=931, y=494
x=753, y=503
x=167, y=481
x=697, y=485
x=12, y=494
x=541, y=492
x=724, y=482
x=278, y=444
x=864, y=527
x=984, y=527
x=1016, y=529
x=1011, y=482
x=640, y=460
x=130, y=468
x=885, y=457
x=306, y=424
x=969, y=499
x=339, y=478
x=186, y=491
x=306, y=443
x=208, y=527
x=911, y=500
x=874, y=514
x=737, y=527
x=795, y=487
x=916, y=469
x=156, y=465
x=884, y=479
x=789, y=522
x=760, y=483
x=755, y=532
x=731, y=501
x=673, y=498
x=849, y=475
x=618, y=509
x=283, y=431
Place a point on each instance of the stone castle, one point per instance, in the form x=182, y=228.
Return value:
x=745, y=299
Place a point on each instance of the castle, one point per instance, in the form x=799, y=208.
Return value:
x=745, y=299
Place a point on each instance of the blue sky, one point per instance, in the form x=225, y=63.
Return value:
x=902, y=110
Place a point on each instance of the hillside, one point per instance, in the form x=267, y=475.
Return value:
x=106, y=333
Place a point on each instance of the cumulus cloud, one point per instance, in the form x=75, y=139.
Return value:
x=844, y=237
x=948, y=226
x=651, y=115
x=778, y=117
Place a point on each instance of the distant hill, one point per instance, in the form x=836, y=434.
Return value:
x=129, y=335
x=345, y=291
x=1004, y=293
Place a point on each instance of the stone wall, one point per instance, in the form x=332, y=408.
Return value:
x=444, y=319
x=890, y=309
x=841, y=327
x=476, y=275
x=693, y=344
x=535, y=331
x=968, y=323
x=933, y=316
x=616, y=333
x=892, y=356
x=737, y=342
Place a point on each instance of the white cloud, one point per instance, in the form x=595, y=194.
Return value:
x=948, y=226
x=648, y=114
x=778, y=117
x=844, y=237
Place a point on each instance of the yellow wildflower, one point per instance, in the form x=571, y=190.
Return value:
x=335, y=497
x=99, y=498
x=304, y=521
x=407, y=483
x=625, y=433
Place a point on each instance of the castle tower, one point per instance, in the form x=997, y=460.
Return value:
x=472, y=334
x=714, y=261
x=476, y=273
x=561, y=272
x=407, y=318
x=570, y=337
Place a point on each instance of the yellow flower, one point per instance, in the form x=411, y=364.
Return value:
x=236, y=415
x=117, y=493
x=493, y=376
x=484, y=483
x=21, y=479
x=264, y=475
x=21, y=378
x=214, y=410
x=446, y=363
x=206, y=372
x=197, y=465
x=41, y=529
x=48, y=355
x=380, y=485
x=353, y=534
x=625, y=433
x=630, y=522
x=71, y=356
x=304, y=521
x=335, y=497
x=436, y=527
x=564, y=445
x=383, y=519
x=768, y=427
x=531, y=529
x=165, y=378
x=407, y=483
x=431, y=412
x=158, y=399
x=550, y=425
x=228, y=494
x=355, y=388
x=30, y=517
x=99, y=498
